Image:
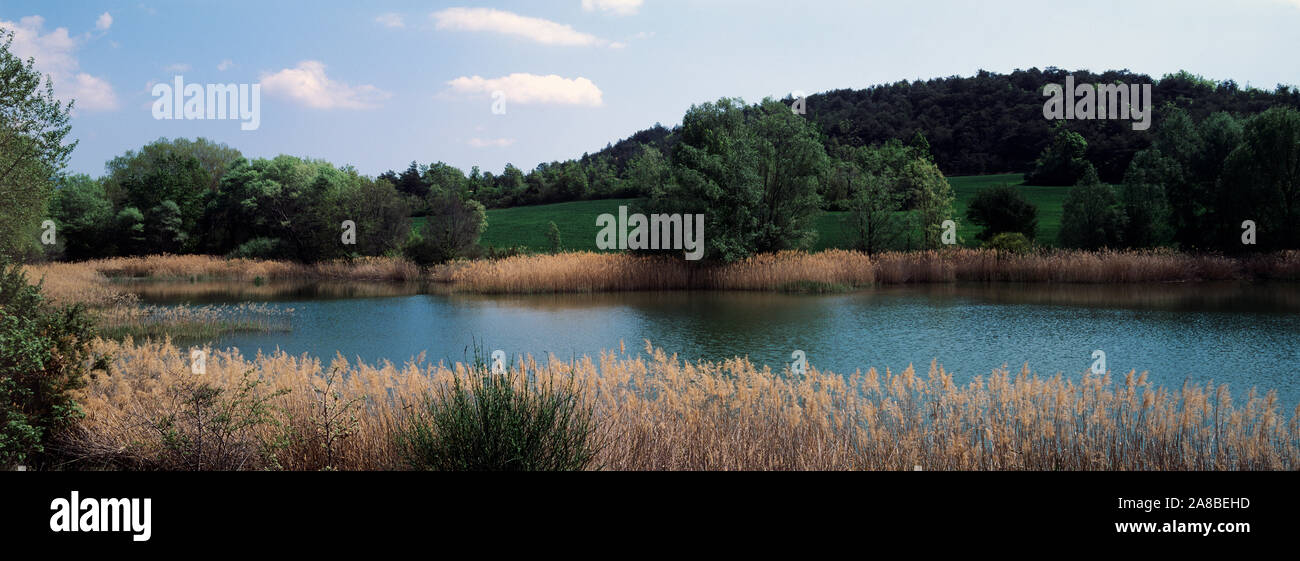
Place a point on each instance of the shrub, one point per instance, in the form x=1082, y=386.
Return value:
x=1010, y=242
x=553, y=236
x=501, y=422
x=261, y=248
x=44, y=358
x=206, y=427
x=1002, y=208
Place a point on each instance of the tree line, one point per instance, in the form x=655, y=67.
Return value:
x=1218, y=155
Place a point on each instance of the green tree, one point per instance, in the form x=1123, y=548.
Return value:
x=1091, y=215
x=874, y=208
x=752, y=171
x=647, y=171
x=1062, y=162
x=1002, y=208
x=934, y=199
x=1263, y=183
x=452, y=230
x=84, y=216
x=791, y=161
x=164, y=228
x=1146, y=207
x=130, y=227
x=33, y=128
x=715, y=172
x=381, y=214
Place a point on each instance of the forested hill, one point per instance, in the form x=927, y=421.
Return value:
x=992, y=123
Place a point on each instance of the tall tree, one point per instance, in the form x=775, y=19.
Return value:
x=1091, y=217
x=33, y=127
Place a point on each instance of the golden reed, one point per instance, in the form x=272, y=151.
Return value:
x=89, y=282
x=592, y=272
x=661, y=413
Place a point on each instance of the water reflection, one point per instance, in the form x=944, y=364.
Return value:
x=1241, y=333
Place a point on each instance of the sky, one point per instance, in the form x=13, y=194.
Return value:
x=376, y=84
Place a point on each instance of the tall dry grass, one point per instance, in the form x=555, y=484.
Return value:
x=201, y=267
x=89, y=282
x=661, y=413
x=604, y=272
x=591, y=272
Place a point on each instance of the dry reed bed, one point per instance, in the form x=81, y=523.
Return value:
x=208, y=267
x=89, y=282
x=660, y=413
x=604, y=272
x=591, y=272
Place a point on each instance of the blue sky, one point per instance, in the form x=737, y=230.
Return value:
x=378, y=84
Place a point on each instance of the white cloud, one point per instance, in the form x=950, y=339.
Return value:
x=531, y=88
x=491, y=142
x=391, y=20
x=616, y=7
x=55, y=55
x=308, y=84
x=225, y=65
x=540, y=30
x=178, y=67
x=104, y=22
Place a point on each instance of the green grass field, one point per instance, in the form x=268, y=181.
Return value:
x=577, y=220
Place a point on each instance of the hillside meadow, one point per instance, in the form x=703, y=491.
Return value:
x=527, y=225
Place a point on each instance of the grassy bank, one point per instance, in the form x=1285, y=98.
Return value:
x=655, y=412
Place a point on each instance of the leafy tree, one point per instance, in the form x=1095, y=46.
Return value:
x=715, y=172
x=1062, y=162
x=444, y=178
x=451, y=230
x=791, y=161
x=602, y=182
x=752, y=171
x=212, y=157
x=164, y=228
x=934, y=198
x=647, y=171
x=874, y=210
x=33, y=128
x=130, y=227
x=1091, y=215
x=381, y=215
x=1264, y=182
x=1146, y=207
x=1002, y=208
x=84, y=216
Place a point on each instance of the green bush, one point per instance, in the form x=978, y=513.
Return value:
x=1002, y=208
x=1010, y=242
x=261, y=248
x=44, y=356
x=501, y=422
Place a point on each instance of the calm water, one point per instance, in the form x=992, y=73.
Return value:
x=1240, y=333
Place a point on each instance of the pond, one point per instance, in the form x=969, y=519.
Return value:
x=1240, y=333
